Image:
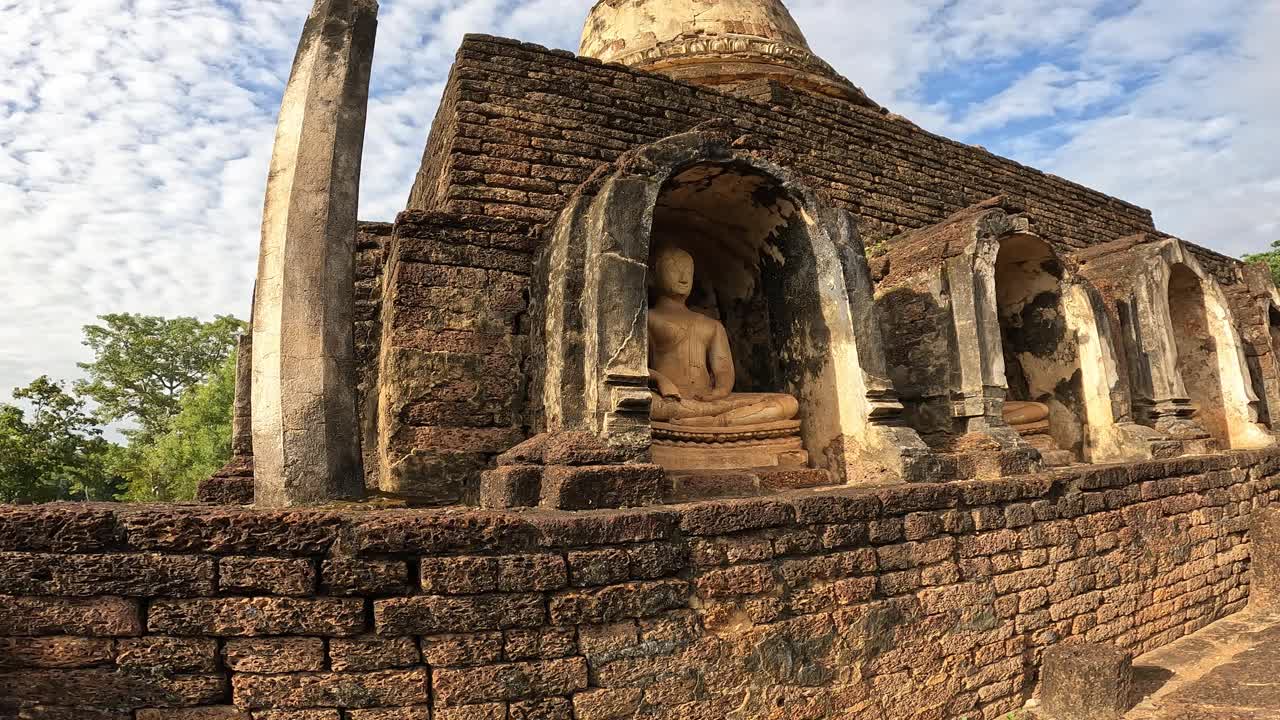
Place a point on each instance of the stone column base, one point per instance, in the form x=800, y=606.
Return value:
x=232, y=485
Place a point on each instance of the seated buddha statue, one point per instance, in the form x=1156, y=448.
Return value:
x=691, y=364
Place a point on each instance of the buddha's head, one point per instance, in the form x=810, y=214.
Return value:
x=673, y=272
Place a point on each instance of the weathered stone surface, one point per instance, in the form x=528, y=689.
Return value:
x=110, y=690
x=617, y=602
x=58, y=527
x=1264, y=550
x=55, y=652
x=1086, y=682
x=274, y=576
x=95, y=617
x=514, y=681
x=242, y=406
x=611, y=486
x=349, y=577
x=463, y=650
x=726, y=516
x=220, y=712
x=395, y=688
x=437, y=534
x=428, y=615
x=274, y=655
x=230, y=489
x=306, y=434
x=297, y=715
x=233, y=483
x=725, y=46
x=139, y=575
x=223, y=530
x=487, y=711
x=62, y=712
x=581, y=449
x=540, y=644
x=605, y=528
x=406, y=713
x=169, y=654
x=514, y=486
x=371, y=652
x=972, y=584
x=476, y=575
x=257, y=616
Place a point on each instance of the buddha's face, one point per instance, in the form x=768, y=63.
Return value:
x=674, y=273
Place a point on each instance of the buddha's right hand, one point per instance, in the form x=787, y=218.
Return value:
x=669, y=390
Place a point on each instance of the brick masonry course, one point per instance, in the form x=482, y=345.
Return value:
x=521, y=129
x=922, y=601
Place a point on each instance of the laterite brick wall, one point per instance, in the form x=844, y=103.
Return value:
x=912, y=601
x=520, y=128
x=523, y=126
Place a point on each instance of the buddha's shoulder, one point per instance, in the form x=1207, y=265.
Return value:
x=708, y=324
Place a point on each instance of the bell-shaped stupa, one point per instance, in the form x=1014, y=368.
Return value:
x=721, y=43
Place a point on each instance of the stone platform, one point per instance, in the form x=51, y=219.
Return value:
x=921, y=601
x=1227, y=671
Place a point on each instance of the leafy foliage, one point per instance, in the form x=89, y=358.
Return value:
x=1271, y=258
x=174, y=378
x=144, y=365
x=56, y=452
x=194, y=444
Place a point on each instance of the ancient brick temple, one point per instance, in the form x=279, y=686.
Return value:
x=699, y=385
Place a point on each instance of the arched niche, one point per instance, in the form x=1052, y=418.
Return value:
x=737, y=223
x=979, y=311
x=1267, y=379
x=1257, y=311
x=1038, y=343
x=1187, y=362
x=785, y=273
x=1209, y=357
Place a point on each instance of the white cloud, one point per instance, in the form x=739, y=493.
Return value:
x=135, y=134
x=1046, y=91
x=1197, y=145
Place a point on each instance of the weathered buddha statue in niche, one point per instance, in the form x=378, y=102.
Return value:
x=691, y=364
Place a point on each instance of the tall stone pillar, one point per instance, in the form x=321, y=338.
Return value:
x=306, y=431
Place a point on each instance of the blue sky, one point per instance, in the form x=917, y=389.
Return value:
x=135, y=134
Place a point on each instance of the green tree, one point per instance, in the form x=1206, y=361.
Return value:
x=54, y=452
x=194, y=444
x=1271, y=258
x=144, y=365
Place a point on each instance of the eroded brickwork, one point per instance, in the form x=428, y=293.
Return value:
x=453, y=343
x=523, y=126
x=370, y=262
x=920, y=601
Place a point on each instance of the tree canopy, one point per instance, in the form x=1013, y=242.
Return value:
x=195, y=443
x=143, y=365
x=54, y=452
x=174, y=378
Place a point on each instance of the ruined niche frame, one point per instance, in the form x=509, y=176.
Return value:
x=1159, y=394
x=1263, y=298
x=592, y=374
x=959, y=275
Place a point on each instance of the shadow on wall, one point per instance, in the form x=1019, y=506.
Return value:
x=1197, y=350
x=1041, y=359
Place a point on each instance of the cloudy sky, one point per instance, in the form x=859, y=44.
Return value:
x=135, y=134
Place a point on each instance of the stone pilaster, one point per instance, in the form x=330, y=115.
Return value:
x=306, y=434
x=233, y=484
x=242, y=407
